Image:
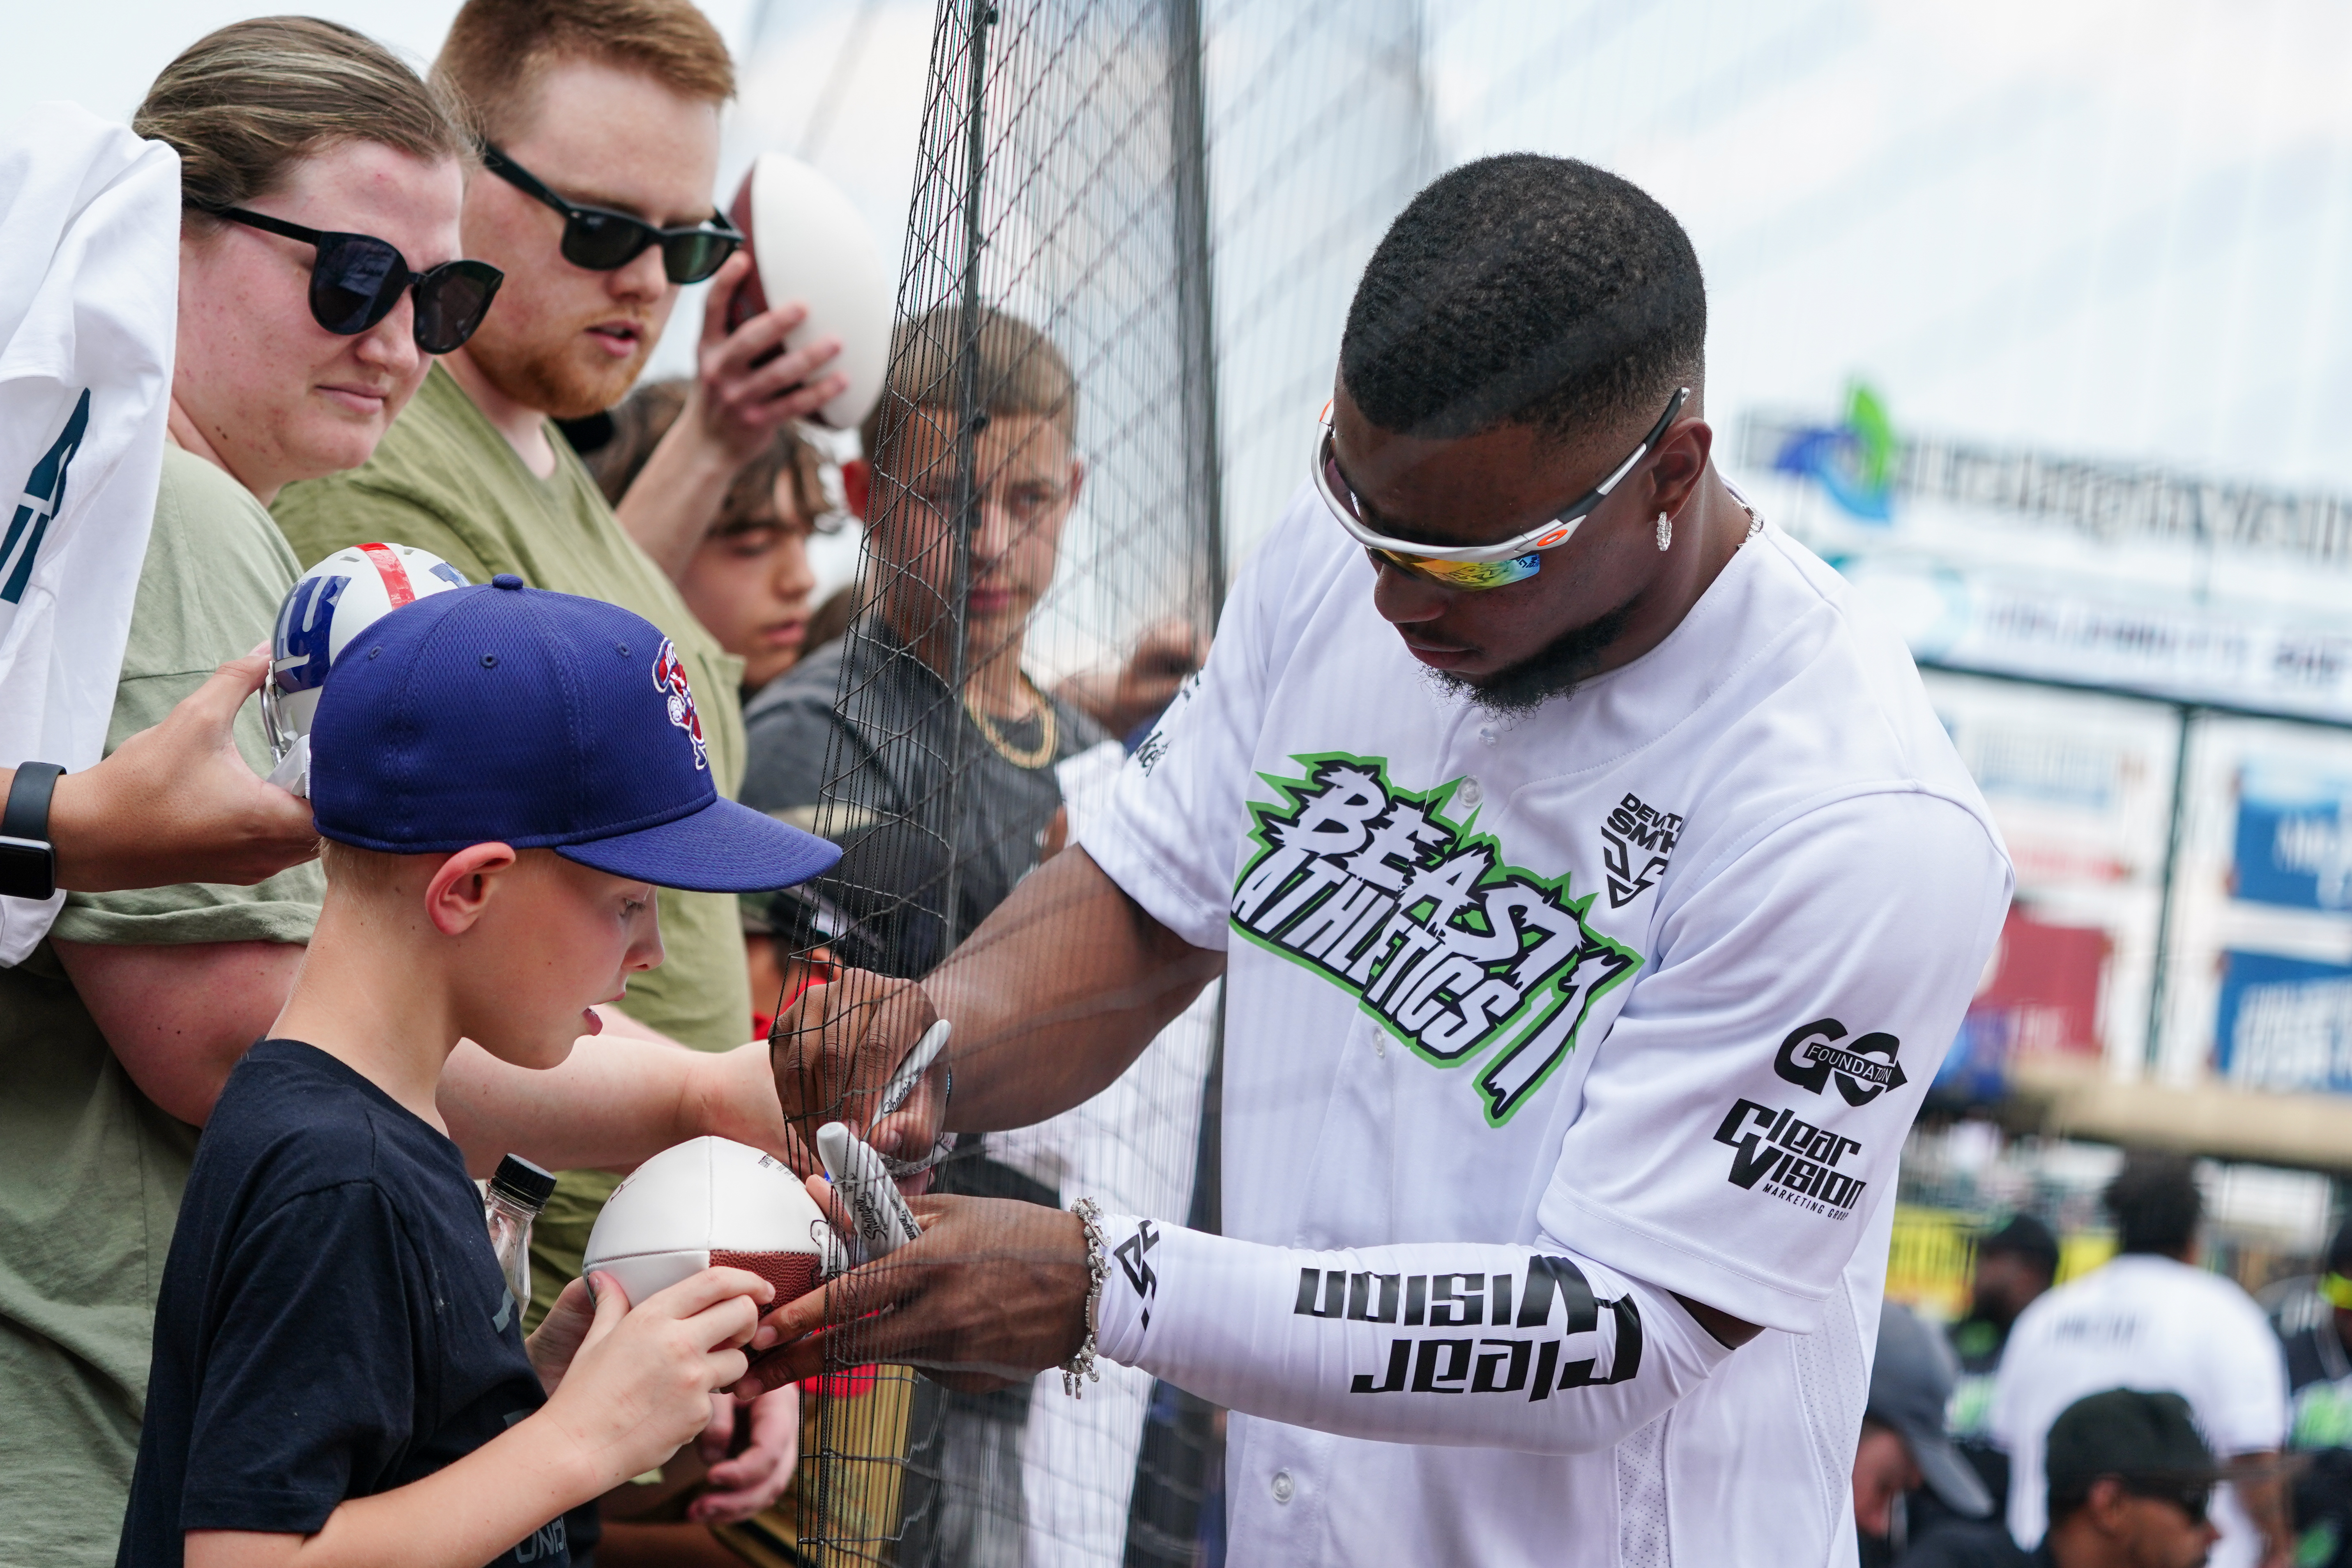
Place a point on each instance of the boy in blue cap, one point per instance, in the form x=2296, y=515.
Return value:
x=503, y=777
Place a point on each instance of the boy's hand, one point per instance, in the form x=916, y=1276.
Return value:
x=741, y=1486
x=639, y=1386
x=557, y=1337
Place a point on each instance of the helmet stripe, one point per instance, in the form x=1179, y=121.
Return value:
x=397, y=586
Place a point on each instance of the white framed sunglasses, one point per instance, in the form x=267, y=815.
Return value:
x=1471, y=567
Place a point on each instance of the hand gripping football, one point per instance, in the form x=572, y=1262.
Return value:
x=808, y=244
x=710, y=1202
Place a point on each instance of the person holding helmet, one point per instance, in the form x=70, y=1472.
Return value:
x=320, y=270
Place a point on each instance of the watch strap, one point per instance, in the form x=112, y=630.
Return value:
x=25, y=829
x=27, y=813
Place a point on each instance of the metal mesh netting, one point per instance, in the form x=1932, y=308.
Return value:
x=1045, y=503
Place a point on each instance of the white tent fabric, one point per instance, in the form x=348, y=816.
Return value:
x=88, y=304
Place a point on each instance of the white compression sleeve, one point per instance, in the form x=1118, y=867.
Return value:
x=1473, y=1345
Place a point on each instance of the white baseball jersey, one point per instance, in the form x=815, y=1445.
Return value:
x=1657, y=973
x=2151, y=1323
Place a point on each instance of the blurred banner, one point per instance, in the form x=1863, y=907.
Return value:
x=2082, y=787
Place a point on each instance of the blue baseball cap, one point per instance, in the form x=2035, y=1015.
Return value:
x=544, y=721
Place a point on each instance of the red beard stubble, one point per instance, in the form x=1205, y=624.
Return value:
x=562, y=376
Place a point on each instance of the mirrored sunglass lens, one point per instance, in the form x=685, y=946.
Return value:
x=354, y=283
x=692, y=257
x=603, y=241
x=1472, y=575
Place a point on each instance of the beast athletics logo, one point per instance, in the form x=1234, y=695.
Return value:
x=1789, y=1158
x=669, y=679
x=1634, y=830
x=1807, y=1059
x=1452, y=950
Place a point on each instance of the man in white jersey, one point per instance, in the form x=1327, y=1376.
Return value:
x=2151, y=1320
x=1595, y=898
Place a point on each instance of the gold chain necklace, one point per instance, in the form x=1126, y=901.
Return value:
x=1036, y=756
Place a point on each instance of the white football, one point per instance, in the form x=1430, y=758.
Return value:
x=711, y=1201
x=809, y=244
x=327, y=607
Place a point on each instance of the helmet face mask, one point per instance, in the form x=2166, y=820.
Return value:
x=322, y=613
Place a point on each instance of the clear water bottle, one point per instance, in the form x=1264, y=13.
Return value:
x=516, y=1195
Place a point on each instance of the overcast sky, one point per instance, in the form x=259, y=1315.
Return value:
x=2116, y=226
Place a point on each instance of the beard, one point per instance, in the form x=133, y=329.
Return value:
x=1552, y=670
x=557, y=376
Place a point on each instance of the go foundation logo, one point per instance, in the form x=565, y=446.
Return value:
x=1455, y=953
x=1854, y=461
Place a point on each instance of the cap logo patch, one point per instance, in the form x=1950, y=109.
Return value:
x=670, y=678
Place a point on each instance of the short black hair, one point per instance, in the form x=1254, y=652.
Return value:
x=1522, y=289
x=2023, y=1236
x=2156, y=1204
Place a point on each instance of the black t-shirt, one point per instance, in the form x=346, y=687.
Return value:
x=1983, y=1543
x=333, y=1324
x=928, y=811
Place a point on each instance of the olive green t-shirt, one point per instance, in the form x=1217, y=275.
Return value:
x=90, y=1169
x=444, y=480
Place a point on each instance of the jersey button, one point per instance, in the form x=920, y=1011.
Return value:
x=1471, y=793
x=1283, y=1486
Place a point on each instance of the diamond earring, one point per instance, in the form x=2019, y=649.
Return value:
x=1665, y=531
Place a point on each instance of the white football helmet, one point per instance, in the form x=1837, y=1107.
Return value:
x=328, y=605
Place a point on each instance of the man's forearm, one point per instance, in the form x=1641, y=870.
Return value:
x=677, y=495
x=1559, y=1353
x=1057, y=993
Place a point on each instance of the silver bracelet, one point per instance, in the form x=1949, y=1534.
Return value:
x=1080, y=1367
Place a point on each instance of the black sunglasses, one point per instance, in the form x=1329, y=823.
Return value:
x=357, y=279
x=602, y=240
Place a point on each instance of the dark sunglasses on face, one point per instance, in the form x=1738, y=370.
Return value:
x=357, y=279
x=602, y=240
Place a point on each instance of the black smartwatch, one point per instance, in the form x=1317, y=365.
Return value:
x=28, y=866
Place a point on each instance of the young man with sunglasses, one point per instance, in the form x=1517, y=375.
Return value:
x=1590, y=938
x=2131, y=1486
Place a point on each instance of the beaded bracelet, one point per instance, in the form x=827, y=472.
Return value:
x=1081, y=1366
